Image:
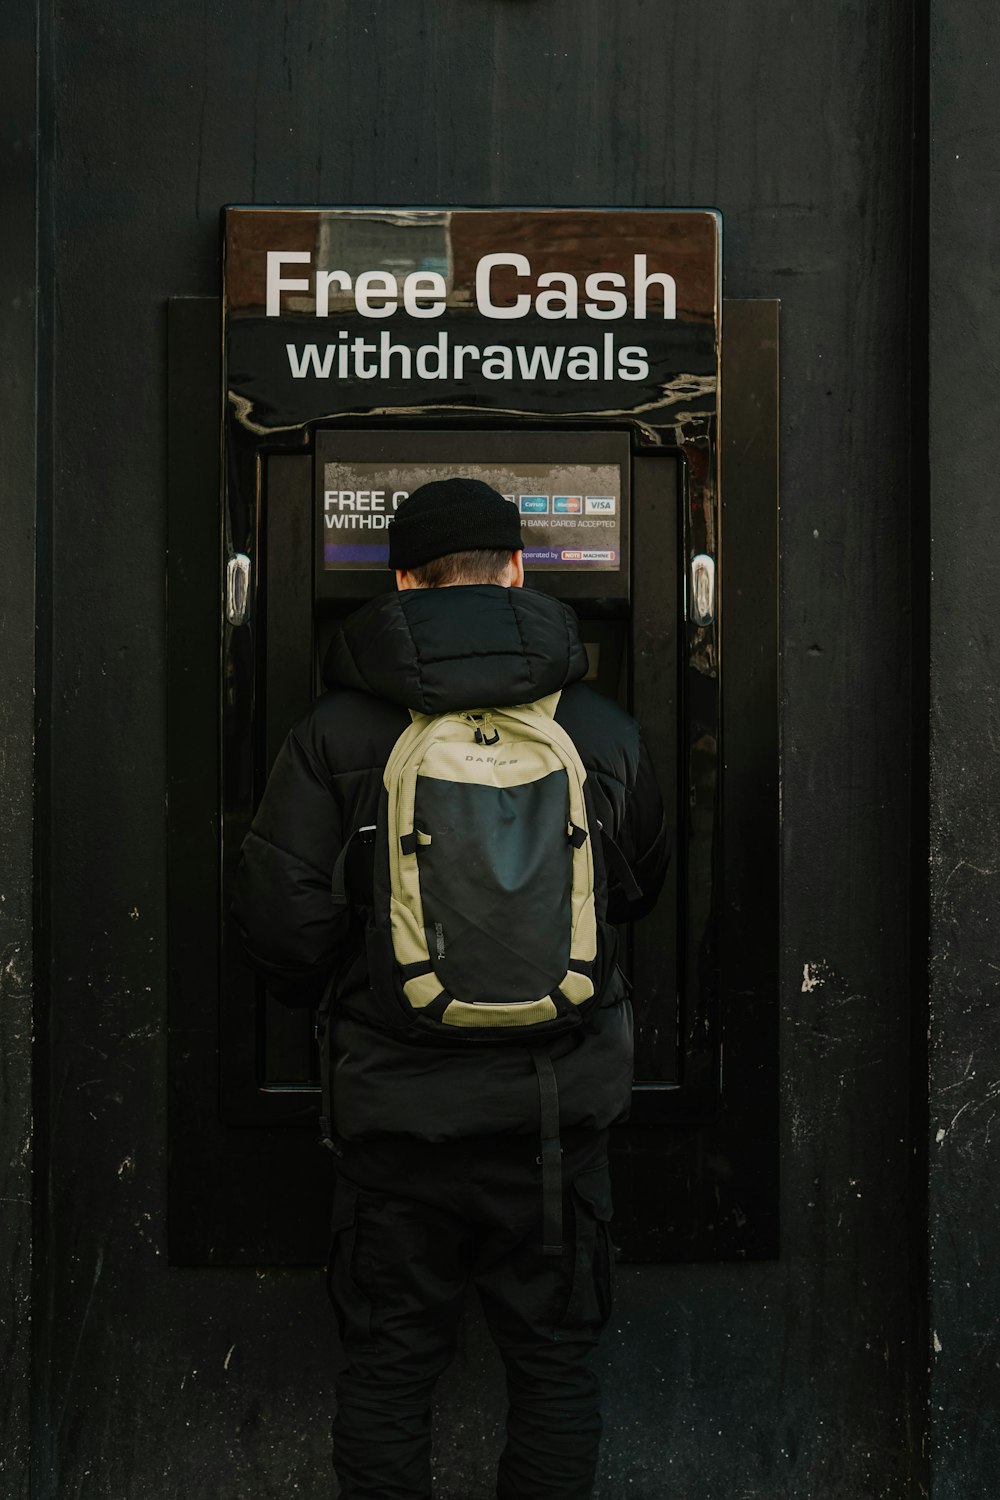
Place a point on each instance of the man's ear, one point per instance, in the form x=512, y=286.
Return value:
x=405, y=579
x=516, y=566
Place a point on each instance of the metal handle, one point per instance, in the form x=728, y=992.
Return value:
x=702, y=607
x=237, y=588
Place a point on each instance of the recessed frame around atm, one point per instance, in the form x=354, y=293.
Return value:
x=704, y=1185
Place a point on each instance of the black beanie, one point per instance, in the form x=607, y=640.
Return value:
x=452, y=515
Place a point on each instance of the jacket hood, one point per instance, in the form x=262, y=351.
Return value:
x=466, y=646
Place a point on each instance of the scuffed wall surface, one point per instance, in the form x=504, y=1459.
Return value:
x=964, y=1119
x=18, y=161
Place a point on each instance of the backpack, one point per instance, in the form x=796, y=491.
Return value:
x=484, y=922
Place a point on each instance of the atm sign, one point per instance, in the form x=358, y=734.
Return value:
x=600, y=505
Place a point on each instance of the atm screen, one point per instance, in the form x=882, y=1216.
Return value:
x=570, y=513
x=571, y=489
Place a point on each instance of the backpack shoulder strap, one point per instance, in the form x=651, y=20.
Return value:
x=548, y=705
x=615, y=859
x=339, y=882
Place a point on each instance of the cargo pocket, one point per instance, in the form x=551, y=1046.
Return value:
x=587, y=1306
x=351, y=1304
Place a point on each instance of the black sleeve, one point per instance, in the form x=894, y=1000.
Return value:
x=644, y=840
x=283, y=909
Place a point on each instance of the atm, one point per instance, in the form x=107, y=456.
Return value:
x=616, y=476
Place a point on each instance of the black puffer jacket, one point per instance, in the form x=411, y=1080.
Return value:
x=434, y=650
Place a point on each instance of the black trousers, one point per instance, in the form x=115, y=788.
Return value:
x=413, y=1223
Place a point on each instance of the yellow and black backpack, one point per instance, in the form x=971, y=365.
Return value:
x=484, y=920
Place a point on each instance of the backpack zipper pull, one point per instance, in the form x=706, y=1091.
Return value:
x=482, y=738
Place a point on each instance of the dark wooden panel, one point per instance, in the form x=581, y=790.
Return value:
x=964, y=1033
x=18, y=392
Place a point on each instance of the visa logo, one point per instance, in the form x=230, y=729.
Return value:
x=534, y=505
x=567, y=505
x=600, y=505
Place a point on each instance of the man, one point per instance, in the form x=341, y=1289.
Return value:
x=439, y=1171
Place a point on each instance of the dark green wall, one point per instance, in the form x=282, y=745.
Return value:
x=798, y=1378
